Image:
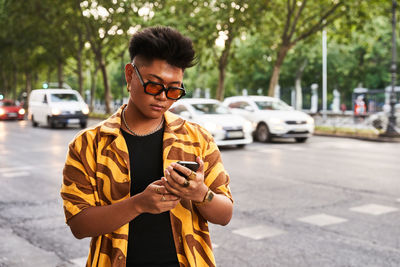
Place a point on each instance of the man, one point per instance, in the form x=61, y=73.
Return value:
x=120, y=182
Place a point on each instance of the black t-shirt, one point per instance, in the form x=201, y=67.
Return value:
x=150, y=240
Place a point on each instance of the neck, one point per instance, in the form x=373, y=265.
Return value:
x=138, y=123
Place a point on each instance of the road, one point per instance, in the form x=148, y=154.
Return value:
x=327, y=202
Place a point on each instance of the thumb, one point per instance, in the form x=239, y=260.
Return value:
x=158, y=182
x=201, y=164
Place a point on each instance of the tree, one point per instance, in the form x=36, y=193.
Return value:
x=106, y=24
x=213, y=26
x=301, y=20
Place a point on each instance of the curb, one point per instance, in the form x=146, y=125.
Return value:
x=365, y=138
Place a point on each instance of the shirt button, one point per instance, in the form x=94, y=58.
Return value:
x=180, y=239
x=120, y=257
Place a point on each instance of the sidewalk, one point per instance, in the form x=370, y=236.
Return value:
x=349, y=127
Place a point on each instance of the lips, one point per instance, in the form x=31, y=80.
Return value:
x=157, y=107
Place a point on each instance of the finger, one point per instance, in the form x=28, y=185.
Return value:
x=174, y=179
x=158, y=182
x=158, y=187
x=182, y=169
x=201, y=164
x=169, y=197
x=169, y=188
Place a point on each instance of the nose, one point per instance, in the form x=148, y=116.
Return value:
x=162, y=96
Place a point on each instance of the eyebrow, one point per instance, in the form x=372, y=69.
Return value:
x=161, y=79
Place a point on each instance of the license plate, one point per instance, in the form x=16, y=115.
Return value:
x=299, y=130
x=234, y=134
x=73, y=121
x=12, y=115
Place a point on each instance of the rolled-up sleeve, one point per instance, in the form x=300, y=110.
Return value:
x=77, y=190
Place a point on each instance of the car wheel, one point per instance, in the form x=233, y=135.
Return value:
x=241, y=146
x=83, y=124
x=51, y=123
x=262, y=133
x=34, y=123
x=301, y=139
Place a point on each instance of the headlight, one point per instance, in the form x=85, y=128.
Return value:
x=85, y=110
x=310, y=120
x=21, y=111
x=55, y=111
x=2, y=111
x=275, y=121
x=247, y=126
x=212, y=127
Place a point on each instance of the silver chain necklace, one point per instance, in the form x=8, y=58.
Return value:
x=141, y=135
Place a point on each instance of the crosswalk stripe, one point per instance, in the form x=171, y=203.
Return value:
x=259, y=232
x=15, y=174
x=374, y=209
x=322, y=219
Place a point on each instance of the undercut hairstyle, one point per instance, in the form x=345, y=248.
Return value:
x=162, y=43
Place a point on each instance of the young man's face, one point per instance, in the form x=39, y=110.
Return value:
x=150, y=106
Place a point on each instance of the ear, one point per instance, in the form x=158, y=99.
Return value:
x=128, y=73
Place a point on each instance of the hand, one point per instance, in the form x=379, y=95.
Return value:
x=175, y=184
x=156, y=199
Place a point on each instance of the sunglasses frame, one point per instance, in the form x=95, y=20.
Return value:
x=164, y=89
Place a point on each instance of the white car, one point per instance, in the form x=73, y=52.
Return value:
x=226, y=128
x=54, y=107
x=272, y=117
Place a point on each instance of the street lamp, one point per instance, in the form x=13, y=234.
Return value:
x=391, y=130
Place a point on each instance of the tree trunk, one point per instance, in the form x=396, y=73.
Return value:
x=277, y=68
x=79, y=70
x=93, y=87
x=5, y=83
x=299, y=95
x=50, y=70
x=28, y=77
x=79, y=64
x=14, y=84
x=223, y=62
x=107, y=95
x=60, y=74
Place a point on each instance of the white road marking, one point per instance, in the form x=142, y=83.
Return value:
x=15, y=174
x=15, y=169
x=322, y=219
x=81, y=262
x=258, y=232
x=374, y=209
x=264, y=150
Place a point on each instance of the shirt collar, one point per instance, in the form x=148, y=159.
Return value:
x=112, y=125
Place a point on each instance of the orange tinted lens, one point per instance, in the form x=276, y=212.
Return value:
x=174, y=92
x=153, y=88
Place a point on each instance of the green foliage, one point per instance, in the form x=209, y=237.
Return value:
x=38, y=36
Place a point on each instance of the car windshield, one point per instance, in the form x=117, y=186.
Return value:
x=7, y=104
x=272, y=105
x=210, y=108
x=63, y=98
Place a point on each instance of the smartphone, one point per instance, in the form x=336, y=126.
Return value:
x=192, y=165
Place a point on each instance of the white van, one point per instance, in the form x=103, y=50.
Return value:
x=54, y=107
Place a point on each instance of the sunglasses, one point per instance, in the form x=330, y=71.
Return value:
x=155, y=88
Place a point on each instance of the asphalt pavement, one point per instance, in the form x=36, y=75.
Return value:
x=327, y=202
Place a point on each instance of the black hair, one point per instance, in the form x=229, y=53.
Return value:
x=163, y=43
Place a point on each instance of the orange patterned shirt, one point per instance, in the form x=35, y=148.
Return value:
x=97, y=173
